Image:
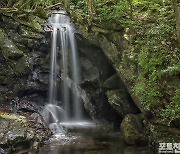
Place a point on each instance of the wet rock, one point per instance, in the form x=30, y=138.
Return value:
x=37, y=120
x=132, y=130
x=25, y=105
x=121, y=101
x=9, y=49
x=20, y=40
x=22, y=131
x=14, y=129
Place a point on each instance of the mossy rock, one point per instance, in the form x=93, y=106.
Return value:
x=5, y=74
x=9, y=49
x=21, y=42
x=19, y=131
x=132, y=130
x=9, y=23
x=22, y=66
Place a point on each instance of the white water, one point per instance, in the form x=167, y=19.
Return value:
x=63, y=43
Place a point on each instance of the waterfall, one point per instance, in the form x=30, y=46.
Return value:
x=63, y=44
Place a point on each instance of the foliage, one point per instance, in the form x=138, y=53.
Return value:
x=172, y=110
x=158, y=60
x=24, y=8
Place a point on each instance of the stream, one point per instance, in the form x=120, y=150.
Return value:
x=88, y=138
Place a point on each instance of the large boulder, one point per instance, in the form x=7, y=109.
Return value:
x=21, y=130
x=15, y=130
x=132, y=130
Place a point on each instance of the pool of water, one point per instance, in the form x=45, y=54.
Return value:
x=88, y=139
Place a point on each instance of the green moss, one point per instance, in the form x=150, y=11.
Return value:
x=132, y=130
x=13, y=117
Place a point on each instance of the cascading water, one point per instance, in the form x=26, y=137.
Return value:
x=64, y=44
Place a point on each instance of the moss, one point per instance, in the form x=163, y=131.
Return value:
x=132, y=130
x=13, y=117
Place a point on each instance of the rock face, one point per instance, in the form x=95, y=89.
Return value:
x=132, y=130
x=95, y=70
x=24, y=73
x=23, y=61
x=109, y=37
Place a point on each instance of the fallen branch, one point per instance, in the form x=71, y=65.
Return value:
x=8, y=10
x=51, y=6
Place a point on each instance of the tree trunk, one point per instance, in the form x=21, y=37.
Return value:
x=177, y=17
